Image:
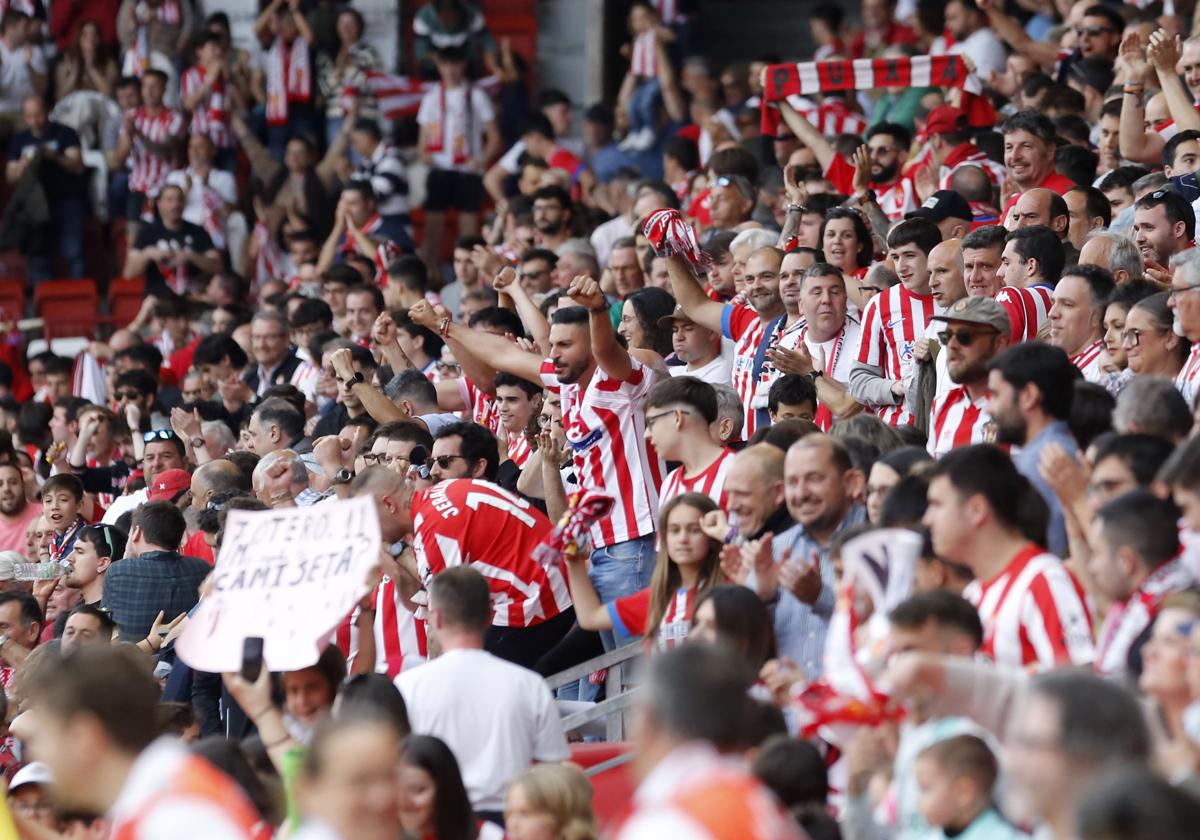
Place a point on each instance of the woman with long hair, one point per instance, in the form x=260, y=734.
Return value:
x=847, y=244
x=433, y=800
x=688, y=566
x=86, y=65
x=640, y=315
x=550, y=802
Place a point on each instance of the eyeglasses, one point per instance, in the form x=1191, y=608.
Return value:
x=443, y=461
x=1175, y=291
x=651, y=419
x=963, y=337
x=128, y=395
x=1133, y=337
x=159, y=434
x=1093, y=31
x=534, y=275
x=371, y=457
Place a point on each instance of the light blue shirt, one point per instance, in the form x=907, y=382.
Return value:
x=1027, y=464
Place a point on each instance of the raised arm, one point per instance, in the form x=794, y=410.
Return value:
x=1009, y=30
x=531, y=315
x=589, y=611
x=671, y=97
x=1134, y=142
x=610, y=356
x=807, y=133
x=687, y=290
x=374, y=401
x=501, y=354
x=1164, y=53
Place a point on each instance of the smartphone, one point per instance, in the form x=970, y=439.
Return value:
x=252, y=658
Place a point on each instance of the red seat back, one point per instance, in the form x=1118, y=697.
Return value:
x=12, y=300
x=68, y=307
x=125, y=296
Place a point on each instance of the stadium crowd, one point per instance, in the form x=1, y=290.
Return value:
x=861, y=390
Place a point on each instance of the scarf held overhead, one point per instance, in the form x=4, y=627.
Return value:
x=810, y=77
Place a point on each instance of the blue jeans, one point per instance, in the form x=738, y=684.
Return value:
x=68, y=216
x=643, y=105
x=622, y=569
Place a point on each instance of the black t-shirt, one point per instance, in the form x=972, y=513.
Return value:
x=58, y=182
x=186, y=236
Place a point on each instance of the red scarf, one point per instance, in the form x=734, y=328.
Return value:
x=289, y=78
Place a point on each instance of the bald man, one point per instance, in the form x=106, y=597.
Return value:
x=754, y=496
x=215, y=477
x=947, y=285
x=1114, y=251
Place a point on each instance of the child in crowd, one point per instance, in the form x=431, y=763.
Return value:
x=62, y=496
x=688, y=565
x=956, y=777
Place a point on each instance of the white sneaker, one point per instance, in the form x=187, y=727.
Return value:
x=638, y=141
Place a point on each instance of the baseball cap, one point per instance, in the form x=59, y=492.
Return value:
x=33, y=773
x=168, y=484
x=945, y=119
x=977, y=310
x=677, y=315
x=942, y=205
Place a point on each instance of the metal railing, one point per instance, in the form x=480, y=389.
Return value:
x=618, y=690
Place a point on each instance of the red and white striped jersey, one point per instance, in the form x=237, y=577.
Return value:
x=741, y=325
x=481, y=405
x=210, y=117
x=892, y=322
x=710, y=481
x=968, y=154
x=1088, y=361
x=669, y=12
x=956, y=420
x=400, y=640
x=469, y=522
x=644, y=61
x=150, y=169
x=1034, y=613
x=630, y=614
x=1127, y=620
x=519, y=449
x=1189, y=376
x=1028, y=311
x=606, y=427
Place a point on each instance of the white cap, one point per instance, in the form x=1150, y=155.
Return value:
x=34, y=773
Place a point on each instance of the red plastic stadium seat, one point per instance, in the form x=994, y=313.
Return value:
x=12, y=299
x=69, y=307
x=125, y=300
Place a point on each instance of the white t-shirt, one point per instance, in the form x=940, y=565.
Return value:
x=15, y=84
x=122, y=504
x=497, y=718
x=717, y=372
x=430, y=114
x=221, y=182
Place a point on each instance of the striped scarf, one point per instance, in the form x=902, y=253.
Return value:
x=289, y=78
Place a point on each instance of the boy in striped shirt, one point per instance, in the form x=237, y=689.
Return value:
x=893, y=321
x=679, y=412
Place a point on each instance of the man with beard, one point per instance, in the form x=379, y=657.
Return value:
x=950, y=146
x=823, y=347
x=975, y=330
x=601, y=386
x=793, y=570
x=552, y=211
x=1164, y=224
x=746, y=324
x=1030, y=390
x=15, y=510
x=1077, y=317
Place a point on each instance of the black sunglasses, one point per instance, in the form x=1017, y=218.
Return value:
x=963, y=337
x=442, y=461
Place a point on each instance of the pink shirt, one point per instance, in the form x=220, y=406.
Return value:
x=12, y=536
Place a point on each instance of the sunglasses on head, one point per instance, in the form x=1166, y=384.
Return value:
x=159, y=434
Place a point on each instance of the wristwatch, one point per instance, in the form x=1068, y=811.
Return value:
x=343, y=476
x=198, y=443
x=356, y=379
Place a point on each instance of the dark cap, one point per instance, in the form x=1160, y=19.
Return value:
x=942, y=205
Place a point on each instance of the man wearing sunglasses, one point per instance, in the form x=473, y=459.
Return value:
x=971, y=332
